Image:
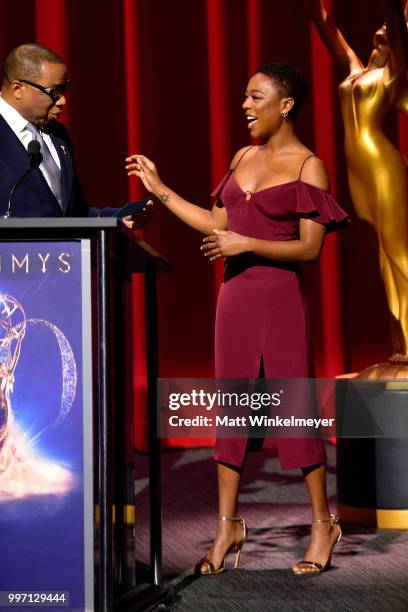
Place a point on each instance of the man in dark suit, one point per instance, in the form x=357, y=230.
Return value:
x=31, y=101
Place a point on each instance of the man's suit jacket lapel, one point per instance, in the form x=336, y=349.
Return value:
x=14, y=155
x=12, y=151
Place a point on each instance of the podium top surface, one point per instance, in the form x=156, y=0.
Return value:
x=65, y=223
x=130, y=250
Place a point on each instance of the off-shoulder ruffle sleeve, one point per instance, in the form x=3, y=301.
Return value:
x=216, y=193
x=314, y=203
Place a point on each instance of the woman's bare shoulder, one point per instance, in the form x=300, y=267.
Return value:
x=314, y=172
x=240, y=153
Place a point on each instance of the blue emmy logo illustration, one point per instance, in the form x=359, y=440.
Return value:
x=24, y=471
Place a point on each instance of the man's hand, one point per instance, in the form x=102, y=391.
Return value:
x=138, y=221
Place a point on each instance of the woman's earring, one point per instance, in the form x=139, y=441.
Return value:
x=284, y=114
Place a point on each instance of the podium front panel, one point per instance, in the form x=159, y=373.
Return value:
x=46, y=440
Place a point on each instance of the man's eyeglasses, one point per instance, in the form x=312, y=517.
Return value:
x=53, y=92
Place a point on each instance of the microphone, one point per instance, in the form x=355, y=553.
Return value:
x=34, y=155
x=34, y=160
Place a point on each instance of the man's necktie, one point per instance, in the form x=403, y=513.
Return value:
x=48, y=165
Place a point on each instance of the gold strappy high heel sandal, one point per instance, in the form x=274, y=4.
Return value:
x=312, y=568
x=205, y=566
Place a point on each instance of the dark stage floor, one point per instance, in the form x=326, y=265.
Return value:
x=370, y=567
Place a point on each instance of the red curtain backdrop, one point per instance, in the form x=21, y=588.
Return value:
x=167, y=79
x=331, y=358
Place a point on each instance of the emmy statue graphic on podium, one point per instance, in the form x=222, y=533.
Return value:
x=23, y=472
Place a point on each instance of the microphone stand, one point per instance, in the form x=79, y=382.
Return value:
x=34, y=160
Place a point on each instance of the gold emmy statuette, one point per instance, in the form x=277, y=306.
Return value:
x=377, y=170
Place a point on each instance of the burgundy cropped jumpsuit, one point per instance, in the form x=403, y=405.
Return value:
x=261, y=310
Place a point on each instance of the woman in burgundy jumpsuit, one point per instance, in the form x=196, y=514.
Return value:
x=271, y=213
x=261, y=310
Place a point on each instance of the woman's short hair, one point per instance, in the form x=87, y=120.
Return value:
x=289, y=82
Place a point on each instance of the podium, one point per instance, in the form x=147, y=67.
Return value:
x=66, y=446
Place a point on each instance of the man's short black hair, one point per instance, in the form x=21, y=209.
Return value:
x=289, y=82
x=24, y=62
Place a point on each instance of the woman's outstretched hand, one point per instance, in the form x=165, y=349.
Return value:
x=145, y=169
x=224, y=244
